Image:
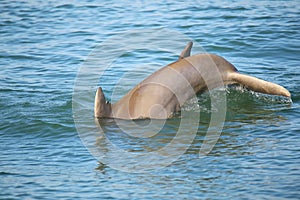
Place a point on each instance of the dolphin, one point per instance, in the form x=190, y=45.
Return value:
x=162, y=94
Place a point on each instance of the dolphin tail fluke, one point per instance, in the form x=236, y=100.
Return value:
x=259, y=85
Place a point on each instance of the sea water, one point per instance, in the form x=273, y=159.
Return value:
x=49, y=150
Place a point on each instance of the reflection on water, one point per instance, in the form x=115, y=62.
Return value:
x=138, y=145
x=134, y=145
x=240, y=140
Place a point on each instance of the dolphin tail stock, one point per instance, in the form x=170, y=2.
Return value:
x=186, y=51
x=259, y=85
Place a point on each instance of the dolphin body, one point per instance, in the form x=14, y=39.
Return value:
x=162, y=94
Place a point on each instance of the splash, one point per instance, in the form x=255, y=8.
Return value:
x=237, y=96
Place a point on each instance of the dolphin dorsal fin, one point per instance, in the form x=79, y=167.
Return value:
x=186, y=51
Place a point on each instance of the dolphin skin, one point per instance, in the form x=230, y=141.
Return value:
x=162, y=94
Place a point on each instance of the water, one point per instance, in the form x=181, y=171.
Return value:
x=43, y=46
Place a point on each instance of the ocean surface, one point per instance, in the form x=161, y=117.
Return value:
x=54, y=54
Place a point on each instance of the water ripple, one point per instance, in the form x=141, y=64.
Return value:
x=43, y=45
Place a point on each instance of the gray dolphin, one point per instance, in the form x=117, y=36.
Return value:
x=163, y=93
